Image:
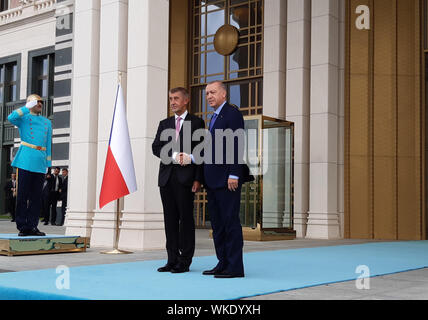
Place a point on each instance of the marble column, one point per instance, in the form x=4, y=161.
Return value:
x=142, y=223
x=323, y=220
x=341, y=146
x=275, y=51
x=298, y=103
x=84, y=119
x=274, y=82
x=113, y=59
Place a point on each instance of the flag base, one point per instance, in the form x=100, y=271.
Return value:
x=116, y=251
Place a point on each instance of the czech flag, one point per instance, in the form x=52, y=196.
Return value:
x=119, y=174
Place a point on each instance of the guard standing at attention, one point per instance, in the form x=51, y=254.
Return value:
x=32, y=162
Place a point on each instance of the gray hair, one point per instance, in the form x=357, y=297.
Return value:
x=220, y=83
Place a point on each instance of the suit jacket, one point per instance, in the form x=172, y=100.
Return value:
x=185, y=175
x=53, y=183
x=217, y=175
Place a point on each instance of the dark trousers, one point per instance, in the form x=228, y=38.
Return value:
x=223, y=207
x=11, y=206
x=63, y=209
x=29, y=199
x=53, y=204
x=46, y=207
x=177, y=201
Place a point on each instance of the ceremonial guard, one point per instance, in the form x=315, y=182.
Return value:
x=32, y=162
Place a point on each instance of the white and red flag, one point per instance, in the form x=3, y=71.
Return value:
x=119, y=174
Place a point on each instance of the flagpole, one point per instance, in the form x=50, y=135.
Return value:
x=117, y=214
x=116, y=249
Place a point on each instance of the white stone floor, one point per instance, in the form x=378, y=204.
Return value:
x=411, y=285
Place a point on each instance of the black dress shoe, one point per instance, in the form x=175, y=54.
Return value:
x=179, y=269
x=211, y=272
x=46, y=223
x=37, y=232
x=165, y=268
x=226, y=275
x=24, y=233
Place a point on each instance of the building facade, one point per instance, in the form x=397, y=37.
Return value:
x=348, y=74
x=35, y=57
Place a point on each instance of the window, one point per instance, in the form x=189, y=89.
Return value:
x=2, y=76
x=41, y=68
x=242, y=71
x=42, y=75
x=10, y=78
x=4, y=5
x=8, y=82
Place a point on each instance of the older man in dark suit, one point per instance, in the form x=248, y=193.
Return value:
x=223, y=180
x=178, y=181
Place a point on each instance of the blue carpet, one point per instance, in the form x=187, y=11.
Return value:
x=266, y=272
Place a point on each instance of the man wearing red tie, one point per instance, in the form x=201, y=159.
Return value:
x=178, y=181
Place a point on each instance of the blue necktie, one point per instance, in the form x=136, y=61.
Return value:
x=213, y=119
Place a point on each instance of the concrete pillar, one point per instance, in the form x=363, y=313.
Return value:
x=275, y=51
x=84, y=119
x=341, y=146
x=323, y=220
x=113, y=59
x=142, y=223
x=274, y=81
x=298, y=103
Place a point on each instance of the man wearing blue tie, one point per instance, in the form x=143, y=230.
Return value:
x=223, y=181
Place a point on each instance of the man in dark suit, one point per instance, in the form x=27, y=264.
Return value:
x=223, y=181
x=10, y=190
x=56, y=184
x=63, y=194
x=178, y=181
x=46, y=194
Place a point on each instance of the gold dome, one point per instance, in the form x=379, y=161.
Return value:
x=226, y=40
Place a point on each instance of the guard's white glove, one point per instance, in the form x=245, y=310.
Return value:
x=30, y=105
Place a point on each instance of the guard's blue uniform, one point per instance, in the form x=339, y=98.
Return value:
x=32, y=161
x=34, y=154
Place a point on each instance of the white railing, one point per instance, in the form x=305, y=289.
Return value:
x=28, y=8
x=44, y=4
x=11, y=14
